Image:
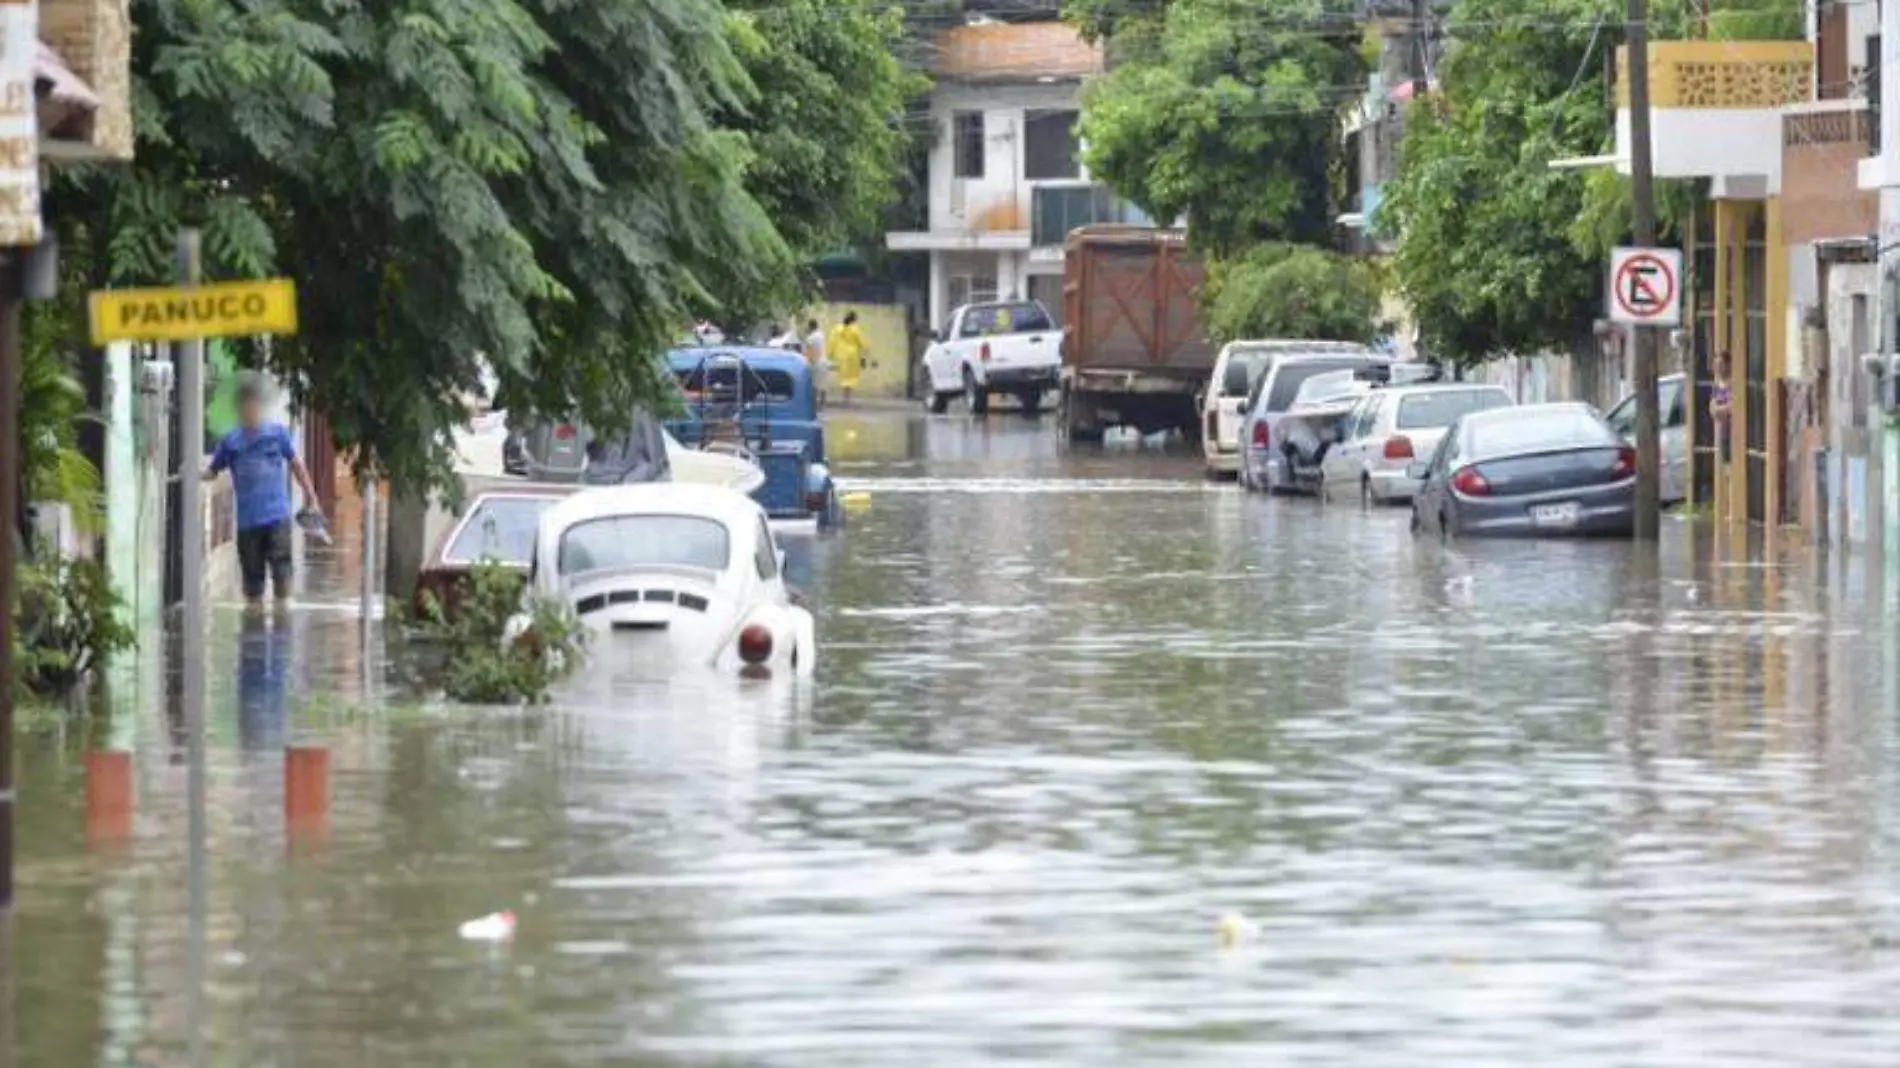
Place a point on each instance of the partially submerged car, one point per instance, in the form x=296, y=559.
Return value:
x=496, y=526
x=1390, y=429
x=1264, y=464
x=1538, y=469
x=1225, y=401
x=1673, y=434
x=760, y=404
x=676, y=576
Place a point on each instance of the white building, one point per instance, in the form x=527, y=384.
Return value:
x=1007, y=181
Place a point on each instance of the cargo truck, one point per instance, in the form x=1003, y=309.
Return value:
x=1134, y=353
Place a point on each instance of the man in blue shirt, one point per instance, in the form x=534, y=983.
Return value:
x=257, y=454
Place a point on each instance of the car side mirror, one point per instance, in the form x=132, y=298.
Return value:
x=1417, y=470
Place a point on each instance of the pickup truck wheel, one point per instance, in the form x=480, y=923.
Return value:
x=935, y=402
x=975, y=397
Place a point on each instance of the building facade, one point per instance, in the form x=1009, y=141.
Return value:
x=1781, y=277
x=1006, y=178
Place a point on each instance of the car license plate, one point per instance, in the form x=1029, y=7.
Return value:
x=1556, y=515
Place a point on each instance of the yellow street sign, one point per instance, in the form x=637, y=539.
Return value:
x=224, y=309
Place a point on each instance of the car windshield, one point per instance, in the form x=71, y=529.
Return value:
x=983, y=319
x=500, y=529
x=1288, y=377
x=1443, y=407
x=1243, y=367
x=721, y=382
x=1536, y=429
x=621, y=541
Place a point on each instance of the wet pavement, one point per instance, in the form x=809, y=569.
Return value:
x=1504, y=804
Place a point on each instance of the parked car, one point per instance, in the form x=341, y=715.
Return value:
x=1674, y=436
x=1264, y=464
x=1005, y=347
x=760, y=404
x=674, y=575
x=1392, y=428
x=496, y=526
x=1535, y=469
x=1223, y=402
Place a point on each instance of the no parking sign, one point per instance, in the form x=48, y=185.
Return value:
x=1646, y=286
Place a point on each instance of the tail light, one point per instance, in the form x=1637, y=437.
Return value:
x=1625, y=463
x=984, y=352
x=1398, y=447
x=1470, y=483
x=755, y=643
x=1261, y=435
x=564, y=432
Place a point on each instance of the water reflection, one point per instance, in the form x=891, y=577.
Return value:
x=1554, y=804
x=263, y=679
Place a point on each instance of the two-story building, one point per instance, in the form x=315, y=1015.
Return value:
x=1006, y=181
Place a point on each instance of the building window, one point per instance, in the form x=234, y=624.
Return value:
x=971, y=289
x=966, y=143
x=1050, y=147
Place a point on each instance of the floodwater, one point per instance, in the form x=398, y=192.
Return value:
x=1487, y=804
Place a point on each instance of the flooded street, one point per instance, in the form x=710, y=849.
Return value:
x=1486, y=804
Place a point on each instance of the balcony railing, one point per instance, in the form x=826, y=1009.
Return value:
x=1054, y=210
x=1724, y=74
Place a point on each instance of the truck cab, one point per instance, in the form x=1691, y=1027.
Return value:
x=998, y=347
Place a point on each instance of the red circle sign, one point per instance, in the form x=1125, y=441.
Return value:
x=1644, y=287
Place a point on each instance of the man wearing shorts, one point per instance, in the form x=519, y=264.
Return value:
x=257, y=454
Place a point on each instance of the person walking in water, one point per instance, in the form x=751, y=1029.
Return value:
x=846, y=349
x=257, y=454
x=815, y=359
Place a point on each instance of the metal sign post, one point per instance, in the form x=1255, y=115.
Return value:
x=189, y=358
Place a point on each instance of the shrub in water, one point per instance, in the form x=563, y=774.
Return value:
x=66, y=622
x=503, y=646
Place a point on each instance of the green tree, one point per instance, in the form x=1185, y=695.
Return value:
x=825, y=125
x=1280, y=290
x=1496, y=252
x=1224, y=112
x=535, y=183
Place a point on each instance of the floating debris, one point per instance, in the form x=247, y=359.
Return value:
x=494, y=927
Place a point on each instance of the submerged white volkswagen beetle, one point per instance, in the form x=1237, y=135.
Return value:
x=674, y=573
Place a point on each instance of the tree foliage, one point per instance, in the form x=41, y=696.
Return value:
x=554, y=187
x=1297, y=291
x=1224, y=112
x=1496, y=251
x=827, y=132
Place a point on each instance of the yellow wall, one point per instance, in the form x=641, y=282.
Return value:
x=886, y=332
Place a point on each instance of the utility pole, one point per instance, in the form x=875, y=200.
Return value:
x=190, y=362
x=1421, y=29
x=1643, y=338
x=12, y=278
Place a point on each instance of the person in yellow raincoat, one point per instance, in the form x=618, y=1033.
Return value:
x=845, y=348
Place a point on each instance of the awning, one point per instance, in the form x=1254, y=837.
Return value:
x=66, y=104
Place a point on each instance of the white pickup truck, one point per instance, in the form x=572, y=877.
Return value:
x=1006, y=347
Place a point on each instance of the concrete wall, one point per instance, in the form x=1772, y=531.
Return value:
x=1000, y=199
x=886, y=330
x=1852, y=431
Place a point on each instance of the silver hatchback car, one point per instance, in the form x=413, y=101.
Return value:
x=1540, y=469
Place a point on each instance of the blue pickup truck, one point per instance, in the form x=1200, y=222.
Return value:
x=763, y=401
